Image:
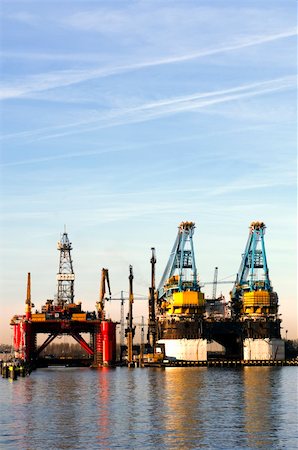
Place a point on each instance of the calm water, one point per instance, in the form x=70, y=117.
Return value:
x=176, y=408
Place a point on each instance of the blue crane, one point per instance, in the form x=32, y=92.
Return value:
x=249, y=277
x=182, y=258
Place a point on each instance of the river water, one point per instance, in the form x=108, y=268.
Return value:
x=175, y=408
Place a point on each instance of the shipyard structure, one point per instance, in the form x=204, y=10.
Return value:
x=62, y=316
x=183, y=325
x=191, y=326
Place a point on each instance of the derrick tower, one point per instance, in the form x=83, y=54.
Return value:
x=178, y=291
x=65, y=276
x=252, y=295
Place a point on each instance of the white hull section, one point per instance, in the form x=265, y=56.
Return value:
x=263, y=349
x=185, y=349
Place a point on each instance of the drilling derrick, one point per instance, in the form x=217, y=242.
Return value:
x=66, y=274
x=252, y=295
x=178, y=290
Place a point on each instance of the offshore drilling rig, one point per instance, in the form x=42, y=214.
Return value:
x=62, y=316
x=184, y=324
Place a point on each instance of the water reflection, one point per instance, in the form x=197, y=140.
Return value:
x=261, y=388
x=183, y=395
x=103, y=410
x=57, y=399
x=177, y=408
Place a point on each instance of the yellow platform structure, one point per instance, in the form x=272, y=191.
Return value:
x=38, y=317
x=186, y=302
x=259, y=302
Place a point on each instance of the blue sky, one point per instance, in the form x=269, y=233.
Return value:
x=121, y=119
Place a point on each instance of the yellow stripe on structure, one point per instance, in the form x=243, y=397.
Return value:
x=188, y=298
x=256, y=298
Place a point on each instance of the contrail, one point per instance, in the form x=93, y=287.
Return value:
x=53, y=80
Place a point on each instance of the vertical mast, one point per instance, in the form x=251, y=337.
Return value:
x=130, y=329
x=122, y=330
x=28, y=298
x=152, y=318
x=215, y=283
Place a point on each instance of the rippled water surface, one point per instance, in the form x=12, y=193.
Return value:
x=175, y=408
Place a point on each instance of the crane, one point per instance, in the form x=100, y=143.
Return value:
x=103, y=282
x=182, y=258
x=179, y=291
x=252, y=293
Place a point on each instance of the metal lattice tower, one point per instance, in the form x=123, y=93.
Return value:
x=66, y=274
x=182, y=260
x=253, y=273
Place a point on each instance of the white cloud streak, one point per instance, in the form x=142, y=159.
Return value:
x=164, y=107
x=139, y=146
x=54, y=80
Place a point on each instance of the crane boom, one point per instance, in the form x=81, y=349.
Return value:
x=103, y=282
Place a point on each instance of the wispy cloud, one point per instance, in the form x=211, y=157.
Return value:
x=24, y=17
x=164, y=107
x=47, y=56
x=248, y=184
x=137, y=146
x=113, y=207
x=54, y=80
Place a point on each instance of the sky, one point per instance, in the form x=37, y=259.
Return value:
x=120, y=119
